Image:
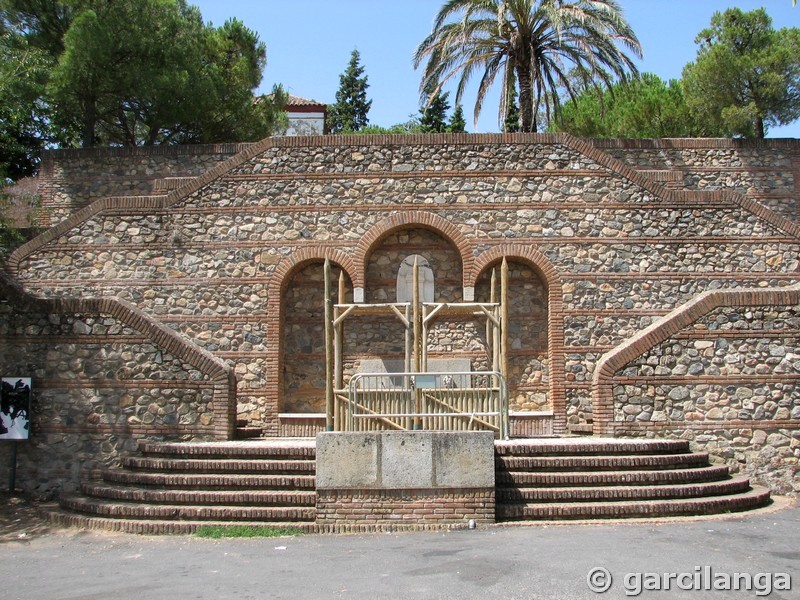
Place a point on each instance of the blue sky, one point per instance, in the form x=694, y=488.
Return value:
x=309, y=44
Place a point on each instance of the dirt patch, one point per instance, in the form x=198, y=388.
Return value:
x=21, y=519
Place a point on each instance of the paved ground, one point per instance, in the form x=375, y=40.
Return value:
x=549, y=562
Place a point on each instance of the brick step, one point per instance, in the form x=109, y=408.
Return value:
x=230, y=466
x=124, y=510
x=754, y=498
x=600, y=463
x=594, y=446
x=607, y=478
x=255, y=450
x=200, y=497
x=159, y=527
x=512, y=495
x=210, y=481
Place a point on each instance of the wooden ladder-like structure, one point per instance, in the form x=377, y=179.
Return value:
x=417, y=318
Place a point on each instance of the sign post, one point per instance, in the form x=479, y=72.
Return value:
x=15, y=419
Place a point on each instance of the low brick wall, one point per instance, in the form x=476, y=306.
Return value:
x=424, y=506
x=404, y=479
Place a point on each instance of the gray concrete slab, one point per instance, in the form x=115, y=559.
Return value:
x=540, y=562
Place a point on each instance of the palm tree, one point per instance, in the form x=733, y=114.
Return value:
x=546, y=45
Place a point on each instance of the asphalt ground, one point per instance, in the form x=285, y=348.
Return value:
x=689, y=556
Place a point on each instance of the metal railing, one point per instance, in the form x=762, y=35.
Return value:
x=444, y=401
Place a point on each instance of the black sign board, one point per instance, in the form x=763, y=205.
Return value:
x=15, y=408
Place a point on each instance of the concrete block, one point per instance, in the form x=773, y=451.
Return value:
x=463, y=459
x=407, y=459
x=347, y=460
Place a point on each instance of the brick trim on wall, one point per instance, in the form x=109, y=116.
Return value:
x=588, y=148
x=411, y=219
x=219, y=373
x=665, y=328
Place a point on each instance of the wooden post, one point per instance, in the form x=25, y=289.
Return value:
x=338, y=343
x=492, y=339
x=504, y=319
x=328, y=349
x=417, y=345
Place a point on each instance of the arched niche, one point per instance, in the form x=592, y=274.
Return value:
x=405, y=280
x=302, y=387
x=528, y=374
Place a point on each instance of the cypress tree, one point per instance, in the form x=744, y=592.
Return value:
x=349, y=113
x=457, y=122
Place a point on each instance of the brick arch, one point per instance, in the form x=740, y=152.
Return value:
x=274, y=357
x=555, y=316
x=540, y=263
x=408, y=220
x=299, y=259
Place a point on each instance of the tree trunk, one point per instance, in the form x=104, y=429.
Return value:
x=759, y=124
x=89, y=123
x=527, y=124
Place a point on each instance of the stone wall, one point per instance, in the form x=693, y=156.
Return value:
x=722, y=371
x=72, y=179
x=103, y=377
x=767, y=171
x=609, y=247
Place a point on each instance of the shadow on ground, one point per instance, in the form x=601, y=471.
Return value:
x=21, y=519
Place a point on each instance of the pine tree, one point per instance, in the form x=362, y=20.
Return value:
x=433, y=115
x=457, y=123
x=349, y=113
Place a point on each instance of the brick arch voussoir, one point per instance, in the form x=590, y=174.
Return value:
x=408, y=220
x=540, y=263
x=302, y=257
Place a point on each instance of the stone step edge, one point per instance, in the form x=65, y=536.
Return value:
x=754, y=498
x=262, y=498
x=221, y=450
x=607, y=462
x=515, y=495
x=218, y=465
x=581, y=446
x=158, y=527
x=211, y=481
x=545, y=479
x=131, y=510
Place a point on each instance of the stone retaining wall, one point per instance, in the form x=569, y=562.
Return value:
x=722, y=371
x=104, y=376
x=72, y=179
x=767, y=171
x=220, y=260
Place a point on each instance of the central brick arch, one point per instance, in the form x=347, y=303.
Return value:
x=404, y=220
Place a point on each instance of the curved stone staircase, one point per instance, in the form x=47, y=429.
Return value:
x=562, y=479
x=176, y=488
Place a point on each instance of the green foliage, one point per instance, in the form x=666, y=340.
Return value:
x=646, y=107
x=746, y=77
x=138, y=72
x=534, y=41
x=10, y=236
x=245, y=531
x=433, y=116
x=457, y=123
x=349, y=113
x=25, y=120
